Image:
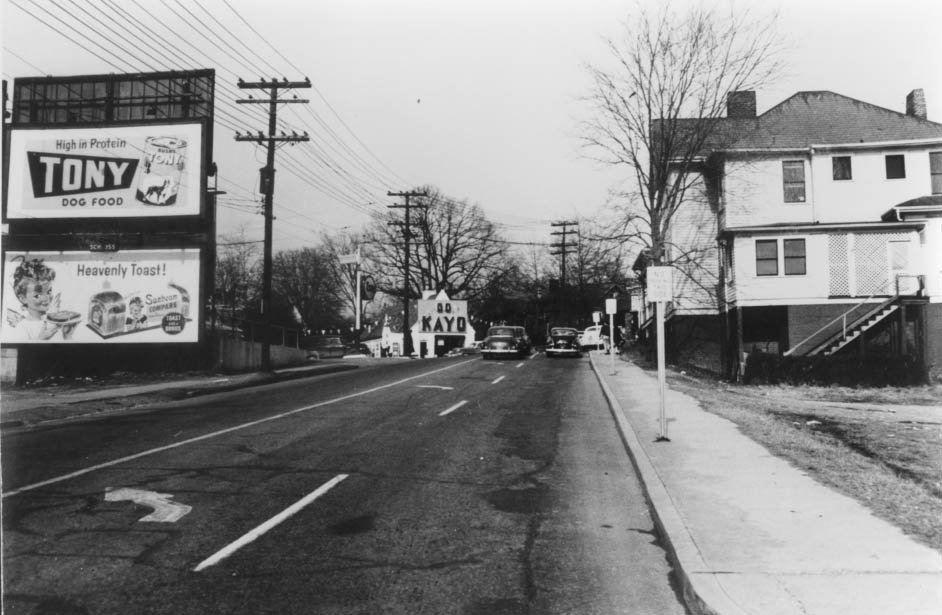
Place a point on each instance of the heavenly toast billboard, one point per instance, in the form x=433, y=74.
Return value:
x=113, y=171
x=133, y=296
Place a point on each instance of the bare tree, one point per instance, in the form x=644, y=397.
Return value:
x=238, y=271
x=302, y=280
x=659, y=107
x=454, y=248
x=337, y=245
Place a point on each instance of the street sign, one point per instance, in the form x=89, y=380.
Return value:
x=349, y=259
x=367, y=288
x=611, y=306
x=596, y=317
x=660, y=284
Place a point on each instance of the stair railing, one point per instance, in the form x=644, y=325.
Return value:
x=842, y=317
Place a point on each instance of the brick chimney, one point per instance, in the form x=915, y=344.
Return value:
x=916, y=104
x=741, y=105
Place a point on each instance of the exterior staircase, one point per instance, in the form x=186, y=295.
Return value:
x=649, y=323
x=839, y=333
x=860, y=329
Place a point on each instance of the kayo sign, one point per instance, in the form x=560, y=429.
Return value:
x=438, y=316
x=115, y=172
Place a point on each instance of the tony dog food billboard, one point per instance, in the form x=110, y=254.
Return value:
x=106, y=172
x=133, y=296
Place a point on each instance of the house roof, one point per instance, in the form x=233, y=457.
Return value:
x=819, y=118
x=816, y=227
x=920, y=206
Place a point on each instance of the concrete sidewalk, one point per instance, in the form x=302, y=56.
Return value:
x=749, y=533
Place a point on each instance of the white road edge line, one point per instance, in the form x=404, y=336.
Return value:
x=453, y=408
x=168, y=447
x=232, y=547
x=499, y=378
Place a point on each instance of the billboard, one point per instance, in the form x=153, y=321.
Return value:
x=133, y=296
x=443, y=316
x=106, y=172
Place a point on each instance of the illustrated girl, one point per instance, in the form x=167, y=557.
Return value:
x=32, y=285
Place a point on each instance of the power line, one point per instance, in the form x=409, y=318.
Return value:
x=268, y=183
x=562, y=246
x=407, y=234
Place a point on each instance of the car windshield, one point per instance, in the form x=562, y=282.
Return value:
x=562, y=331
x=501, y=332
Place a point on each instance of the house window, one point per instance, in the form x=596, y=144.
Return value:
x=794, y=250
x=895, y=166
x=935, y=170
x=766, y=257
x=793, y=176
x=840, y=166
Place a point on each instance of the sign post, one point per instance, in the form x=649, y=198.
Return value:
x=660, y=291
x=611, y=306
x=354, y=259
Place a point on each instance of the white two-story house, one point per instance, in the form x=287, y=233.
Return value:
x=818, y=232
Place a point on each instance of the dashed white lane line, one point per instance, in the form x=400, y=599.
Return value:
x=231, y=548
x=453, y=408
x=519, y=364
x=498, y=379
x=274, y=417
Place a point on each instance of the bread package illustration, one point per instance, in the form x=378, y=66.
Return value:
x=110, y=313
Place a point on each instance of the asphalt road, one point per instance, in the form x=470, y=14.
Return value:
x=435, y=486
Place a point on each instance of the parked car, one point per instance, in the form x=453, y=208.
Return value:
x=505, y=341
x=359, y=349
x=325, y=347
x=592, y=338
x=475, y=348
x=563, y=342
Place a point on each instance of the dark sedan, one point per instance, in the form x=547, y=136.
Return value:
x=505, y=341
x=563, y=342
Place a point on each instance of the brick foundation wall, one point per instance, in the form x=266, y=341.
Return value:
x=805, y=320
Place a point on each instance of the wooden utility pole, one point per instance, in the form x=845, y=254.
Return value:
x=267, y=181
x=407, y=347
x=562, y=246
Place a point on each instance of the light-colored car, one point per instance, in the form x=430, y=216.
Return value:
x=592, y=338
x=325, y=347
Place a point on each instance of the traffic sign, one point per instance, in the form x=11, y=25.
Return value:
x=660, y=283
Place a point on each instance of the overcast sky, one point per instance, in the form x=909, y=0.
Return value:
x=478, y=98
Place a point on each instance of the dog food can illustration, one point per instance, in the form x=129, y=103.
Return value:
x=163, y=164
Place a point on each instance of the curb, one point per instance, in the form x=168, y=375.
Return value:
x=702, y=592
x=22, y=419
